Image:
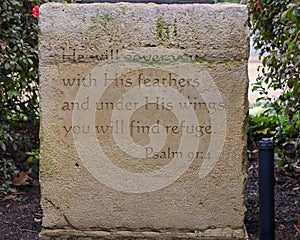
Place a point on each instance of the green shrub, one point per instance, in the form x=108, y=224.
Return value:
x=7, y=166
x=275, y=31
x=18, y=87
x=7, y=171
x=262, y=123
x=266, y=121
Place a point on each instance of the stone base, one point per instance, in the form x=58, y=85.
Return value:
x=71, y=234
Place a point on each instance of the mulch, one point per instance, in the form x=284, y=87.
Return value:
x=21, y=216
x=287, y=203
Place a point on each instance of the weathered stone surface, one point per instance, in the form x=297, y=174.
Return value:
x=119, y=149
x=122, y=235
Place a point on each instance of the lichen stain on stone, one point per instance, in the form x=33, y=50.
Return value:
x=162, y=30
x=123, y=9
x=102, y=23
x=83, y=20
x=47, y=167
x=175, y=31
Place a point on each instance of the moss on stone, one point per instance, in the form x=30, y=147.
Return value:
x=162, y=30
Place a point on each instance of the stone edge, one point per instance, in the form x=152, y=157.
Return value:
x=52, y=234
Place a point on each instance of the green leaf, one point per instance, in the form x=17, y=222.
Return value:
x=12, y=93
x=15, y=147
x=30, y=61
x=7, y=66
x=2, y=145
x=292, y=30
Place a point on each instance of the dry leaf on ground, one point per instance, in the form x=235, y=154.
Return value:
x=22, y=179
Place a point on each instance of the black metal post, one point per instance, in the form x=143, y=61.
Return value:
x=266, y=188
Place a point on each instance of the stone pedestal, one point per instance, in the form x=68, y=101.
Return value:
x=143, y=120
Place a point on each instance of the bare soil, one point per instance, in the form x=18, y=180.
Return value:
x=287, y=203
x=21, y=216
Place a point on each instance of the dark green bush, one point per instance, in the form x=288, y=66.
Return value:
x=265, y=121
x=276, y=34
x=18, y=87
x=7, y=171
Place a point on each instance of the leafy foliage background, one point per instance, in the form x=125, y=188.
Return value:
x=18, y=88
x=276, y=34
